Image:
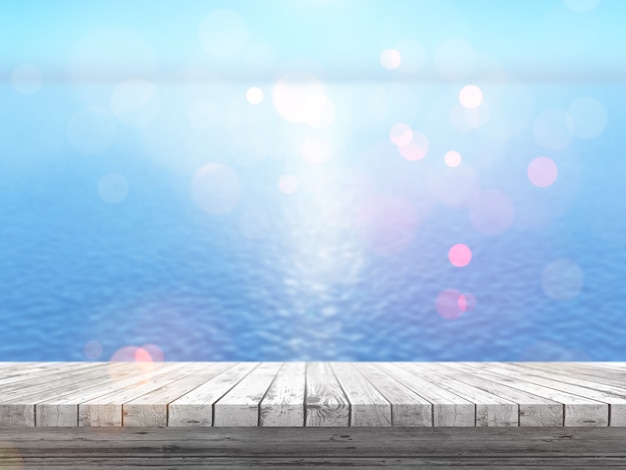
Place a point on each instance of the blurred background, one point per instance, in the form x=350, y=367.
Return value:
x=312, y=180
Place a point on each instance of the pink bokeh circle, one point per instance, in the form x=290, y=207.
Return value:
x=460, y=255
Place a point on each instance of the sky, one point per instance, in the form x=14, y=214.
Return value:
x=536, y=39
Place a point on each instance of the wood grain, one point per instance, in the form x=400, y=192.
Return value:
x=368, y=407
x=240, y=405
x=326, y=404
x=316, y=394
x=363, y=447
x=283, y=405
x=449, y=409
x=195, y=408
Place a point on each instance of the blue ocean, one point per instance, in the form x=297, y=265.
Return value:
x=278, y=180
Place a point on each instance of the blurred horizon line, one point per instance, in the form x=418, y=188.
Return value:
x=338, y=76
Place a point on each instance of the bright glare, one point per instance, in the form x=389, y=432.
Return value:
x=316, y=150
x=452, y=158
x=542, y=172
x=460, y=255
x=254, y=95
x=390, y=59
x=470, y=96
x=401, y=134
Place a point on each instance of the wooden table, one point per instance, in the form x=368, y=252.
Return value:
x=368, y=415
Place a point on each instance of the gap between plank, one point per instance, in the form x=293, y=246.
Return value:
x=345, y=396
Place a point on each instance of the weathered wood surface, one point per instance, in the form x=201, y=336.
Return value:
x=283, y=403
x=286, y=447
x=316, y=394
x=195, y=408
x=326, y=404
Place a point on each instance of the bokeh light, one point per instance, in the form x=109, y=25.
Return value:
x=135, y=102
x=128, y=354
x=587, y=118
x=470, y=96
x=316, y=149
x=452, y=158
x=26, y=79
x=401, y=134
x=551, y=129
x=448, y=304
x=216, y=188
x=153, y=351
x=140, y=356
x=562, y=279
x=288, y=184
x=542, y=172
x=223, y=34
x=460, y=255
x=491, y=212
x=93, y=350
x=319, y=110
x=467, y=302
x=113, y=188
x=299, y=97
x=416, y=149
x=390, y=59
x=254, y=95
x=91, y=130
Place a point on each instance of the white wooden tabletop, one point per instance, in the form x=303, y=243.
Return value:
x=314, y=394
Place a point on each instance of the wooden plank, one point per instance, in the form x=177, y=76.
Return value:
x=58, y=381
x=491, y=409
x=534, y=410
x=284, y=403
x=150, y=409
x=240, y=405
x=407, y=408
x=19, y=406
x=556, y=372
x=601, y=376
x=615, y=396
x=616, y=366
x=11, y=369
x=471, y=446
x=18, y=379
x=156, y=461
x=195, y=408
x=578, y=411
x=367, y=406
x=449, y=409
x=64, y=410
x=326, y=404
x=106, y=410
